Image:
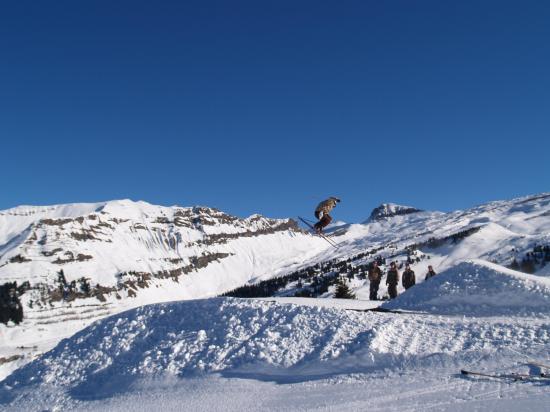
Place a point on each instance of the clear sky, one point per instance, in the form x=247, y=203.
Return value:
x=271, y=106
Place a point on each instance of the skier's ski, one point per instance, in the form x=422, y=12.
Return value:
x=330, y=241
x=384, y=310
x=509, y=376
x=540, y=365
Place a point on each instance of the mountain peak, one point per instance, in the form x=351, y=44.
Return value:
x=386, y=210
x=132, y=209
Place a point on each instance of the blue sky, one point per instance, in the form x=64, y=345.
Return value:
x=270, y=107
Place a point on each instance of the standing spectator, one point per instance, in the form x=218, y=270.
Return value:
x=431, y=273
x=409, y=279
x=392, y=279
x=375, y=276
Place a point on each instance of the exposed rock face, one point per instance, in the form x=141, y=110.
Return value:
x=120, y=246
x=386, y=210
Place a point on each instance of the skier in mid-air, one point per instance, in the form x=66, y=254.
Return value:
x=322, y=213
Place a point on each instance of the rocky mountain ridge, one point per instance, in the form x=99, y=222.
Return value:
x=387, y=210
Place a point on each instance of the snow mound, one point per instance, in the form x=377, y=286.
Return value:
x=256, y=340
x=478, y=288
x=190, y=337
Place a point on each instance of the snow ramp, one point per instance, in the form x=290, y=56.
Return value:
x=478, y=288
x=190, y=338
x=263, y=341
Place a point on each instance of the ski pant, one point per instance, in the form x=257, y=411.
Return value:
x=323, y=222
x=374, y=290
x=392, y=290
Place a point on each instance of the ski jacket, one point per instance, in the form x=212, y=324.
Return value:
x=430, y=274
x=326, y=206
x=375, y=274
x=392, y=277
x=408, y=278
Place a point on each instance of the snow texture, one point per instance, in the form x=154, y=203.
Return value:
x=478, y=288
x=269, y=342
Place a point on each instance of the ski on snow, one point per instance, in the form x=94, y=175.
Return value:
x=330, y=241
x=508, y=376
x=540, y=365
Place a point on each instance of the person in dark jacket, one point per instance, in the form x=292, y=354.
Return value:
x=322, y=213
x=392, y=279
x=431, y=273
x=408, y=278
x=375, y=276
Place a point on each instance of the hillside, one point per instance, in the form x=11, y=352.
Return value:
x=122, y=254
x=289, y=356
x=512, y=233
x=114, y=243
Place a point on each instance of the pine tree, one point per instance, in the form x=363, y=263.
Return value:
x=61, y=278
x=527, y=266
x=514, y=265
x=84, y=286
x=343, y=291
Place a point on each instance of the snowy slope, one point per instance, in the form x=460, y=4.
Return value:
x=131, y=254
x=140, y=253
x=498, y=232
x=171, y=348
x=519, y=222
x=478, y=288
x=101, y=241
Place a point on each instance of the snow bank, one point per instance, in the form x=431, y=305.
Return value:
x=478, y=288
x=186, y=338
x=258, y=340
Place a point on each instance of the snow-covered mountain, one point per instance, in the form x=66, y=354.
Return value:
x=123, y=254
x=104, y=242
x=513, y=233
